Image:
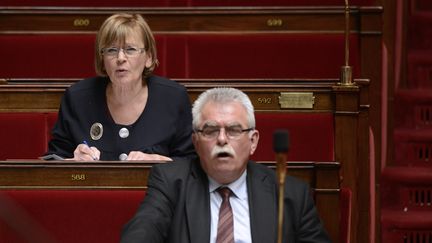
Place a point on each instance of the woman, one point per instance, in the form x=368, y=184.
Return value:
x=126, y=113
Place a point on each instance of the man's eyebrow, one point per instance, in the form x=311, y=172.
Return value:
x=234, y=124
x=210, y=124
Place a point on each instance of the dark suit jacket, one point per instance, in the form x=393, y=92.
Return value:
x=176, y=208
x=164, y=127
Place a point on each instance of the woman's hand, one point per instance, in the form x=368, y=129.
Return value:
x=84, y=152
x=138, y=155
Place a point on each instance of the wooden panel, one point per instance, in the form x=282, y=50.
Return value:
x=35, y=174
x=172, y=3
x=172, y=20
x=19, y=95
x=79, y=175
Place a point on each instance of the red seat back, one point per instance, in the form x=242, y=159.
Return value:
x=311, y=135
x=23, y=135
x=259, y=56
x=49, y=216
x=51, y=119
x=51, y=55
x=187, y=56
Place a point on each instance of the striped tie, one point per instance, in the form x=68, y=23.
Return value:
x=225, y=232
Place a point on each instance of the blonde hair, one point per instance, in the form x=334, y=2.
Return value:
x=116, y=28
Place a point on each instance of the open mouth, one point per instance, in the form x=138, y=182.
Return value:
x=222, y=152
x=223, y=155
x=121, y=70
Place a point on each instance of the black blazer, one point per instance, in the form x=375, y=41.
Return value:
x=164, y=127
x=176, y=208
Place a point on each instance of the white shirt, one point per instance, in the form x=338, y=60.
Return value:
x=240, y=206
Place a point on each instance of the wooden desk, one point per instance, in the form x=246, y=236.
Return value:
x=35, y=174
x=26, y=174
x=21, y=94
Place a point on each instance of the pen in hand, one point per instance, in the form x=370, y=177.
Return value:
x=92, y=155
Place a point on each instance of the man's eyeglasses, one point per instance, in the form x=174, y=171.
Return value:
x=232, y=132
x=128, y=51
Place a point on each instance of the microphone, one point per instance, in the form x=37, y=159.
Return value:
x=280, y=147
x=281, y=141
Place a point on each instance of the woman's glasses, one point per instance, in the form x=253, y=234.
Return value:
x=128, y=51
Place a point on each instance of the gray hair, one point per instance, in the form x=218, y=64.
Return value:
x=222, y=95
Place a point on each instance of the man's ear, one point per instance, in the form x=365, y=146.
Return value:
x=194, y=139
x=254, y=141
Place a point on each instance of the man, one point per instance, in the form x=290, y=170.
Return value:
x=183, y=199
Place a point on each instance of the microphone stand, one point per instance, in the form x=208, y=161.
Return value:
x=280, y=146
x=281, y=173
x=346, y=70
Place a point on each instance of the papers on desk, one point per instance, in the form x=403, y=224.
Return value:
x=51, y=157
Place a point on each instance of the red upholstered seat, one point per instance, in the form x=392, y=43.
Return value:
x=26, y=135
x=172, y=55
x=187, y=56
x=311, y=135
x=23, y=135
x=264, y=56
x=254, y=55
x=50, y=55
x=56, y=216
x=47, y=56
x=51, y=119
